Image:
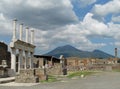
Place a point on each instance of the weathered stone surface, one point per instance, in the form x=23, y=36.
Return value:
x=55, y=70
x=31, y=75
x=26, y=76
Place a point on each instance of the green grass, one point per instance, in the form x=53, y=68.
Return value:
x=85, y=73
x=116, y=70
x=50, y=79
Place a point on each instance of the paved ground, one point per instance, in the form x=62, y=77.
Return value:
x=106, y=80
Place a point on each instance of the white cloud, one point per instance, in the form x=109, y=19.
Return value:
x=114, y=30
x=56, y=24
x=75, y=34
x=116, y=19
x=112, y=7
x=5, y=26
x=42, y=14
x=94, y=26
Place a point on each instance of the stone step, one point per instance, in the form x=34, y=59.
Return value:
x=7, y=80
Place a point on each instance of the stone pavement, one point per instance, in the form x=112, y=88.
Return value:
x=105, y=80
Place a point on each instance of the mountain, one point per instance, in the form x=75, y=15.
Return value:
x=70, y=51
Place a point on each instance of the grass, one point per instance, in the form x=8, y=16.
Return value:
x=50, y=79
x=85, y=73
x=116, y=70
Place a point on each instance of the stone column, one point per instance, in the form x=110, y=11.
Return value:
x=31, y=60
x=26, y=59
x=52, y=61
x=14, y=30
x=27, y=34
x=20, y=60
x=21, y=31
x=61, y=63
x=13, y=59
x=32, y=36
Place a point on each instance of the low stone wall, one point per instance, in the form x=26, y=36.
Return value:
x=74, y=68
x=31, y=76
x=54, y=70
x=26, y=76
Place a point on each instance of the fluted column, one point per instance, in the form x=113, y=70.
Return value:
x=27, y=34
x=13, y=59
x=21, y=31
x=31, y=60
x=14, y=30
x=32, y=36
x=20, y=60
x=26, y=59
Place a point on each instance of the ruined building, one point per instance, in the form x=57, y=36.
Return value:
x=4, y=54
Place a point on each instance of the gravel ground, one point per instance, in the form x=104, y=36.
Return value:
x=105, y=80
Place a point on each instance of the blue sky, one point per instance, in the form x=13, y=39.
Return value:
x=84, y=24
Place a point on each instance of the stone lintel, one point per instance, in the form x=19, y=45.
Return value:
x=22, y=45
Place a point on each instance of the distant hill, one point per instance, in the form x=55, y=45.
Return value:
x=70, y=51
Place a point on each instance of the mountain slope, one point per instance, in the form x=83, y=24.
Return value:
x=70, y=51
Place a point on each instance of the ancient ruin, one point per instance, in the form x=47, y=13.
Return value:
x=24, y=49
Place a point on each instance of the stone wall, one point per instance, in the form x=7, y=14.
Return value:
x=55, y=70
x=31, y=76
x=26, y=76
x=4, y=54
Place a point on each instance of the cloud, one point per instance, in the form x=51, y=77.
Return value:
x=95, y=27
x=112, y=7
x=5, y=26
x=40, y=14
x=75, y=34
x=84, y=3
x=56, y=24
x=116, y=19
x=114, y=30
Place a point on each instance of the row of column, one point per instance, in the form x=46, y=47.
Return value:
x=21, y=33
x=23, y=63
